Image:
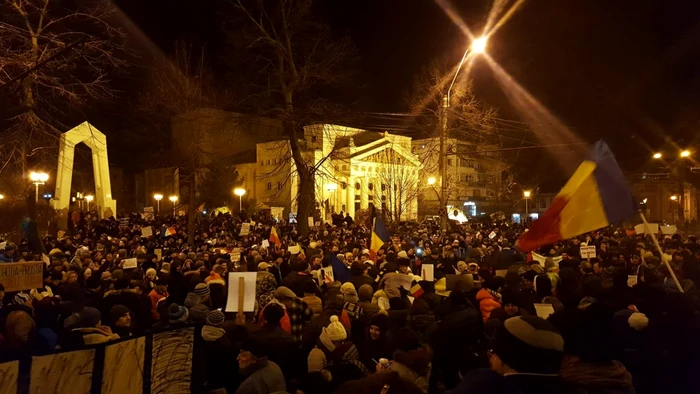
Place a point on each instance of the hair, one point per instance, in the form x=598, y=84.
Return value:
x=543, y=285
x=272, y=314
x=357, y=269
x=494, y=283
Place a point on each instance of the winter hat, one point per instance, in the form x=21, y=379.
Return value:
x=346, y=286
x=40, y=295
x=165, y=268
x=365, y=252
x=215, y=318
x=402, y=255
x=586, y=302
x=151, y=271
x=529, y=344
x=335, y=331
x=177, y=314
x=90, y=317
x=202, y=289
x=284, y=292
x=263, y=266
x=198, y=313
x=350, y=295
x=192, y=299
x=21, y=298
x=106, y=275
x=212, y=276
x=462, y=266
x=549, y=264
x=381, y=321
x=117, y=312
x=366, y=292
x=638, y=321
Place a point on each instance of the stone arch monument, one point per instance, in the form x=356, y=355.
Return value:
x=106, y=206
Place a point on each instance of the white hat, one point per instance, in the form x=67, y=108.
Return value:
x=402, y=254
x=335, y=331
x=365, y=251
x=312, y=245
x=370, y=262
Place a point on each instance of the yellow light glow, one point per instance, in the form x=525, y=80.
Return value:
x=173, y=198
x=685, y=153
x=38, y=176
x=1, y=196
x=674, y=197
x=527, y=194
x=432, y=180
x=657, y=155
x=89, y=198
x=479, y=44
x=239, y=191
x=157, y=197
x=331, y=187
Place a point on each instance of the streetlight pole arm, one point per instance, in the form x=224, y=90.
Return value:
x=459, y=67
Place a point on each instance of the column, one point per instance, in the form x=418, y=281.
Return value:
x=350, y=197
x=363, y=193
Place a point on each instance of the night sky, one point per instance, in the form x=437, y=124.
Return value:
x=627, y=71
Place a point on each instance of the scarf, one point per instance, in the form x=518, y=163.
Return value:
x=495, y=295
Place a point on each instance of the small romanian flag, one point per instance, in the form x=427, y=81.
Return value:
x=274, y=237
x=595, y=196
x=170, y=231
x=380, y=236
x=417, y=291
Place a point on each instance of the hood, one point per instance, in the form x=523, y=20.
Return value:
x=611, y=376
x=417, y=360
x=211, y=333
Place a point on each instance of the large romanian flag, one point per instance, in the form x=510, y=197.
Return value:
x=596, y=196
x=380, y=236
x=274, y=237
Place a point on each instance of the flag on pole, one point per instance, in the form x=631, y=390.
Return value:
x=170, y=231
x=595, y=196
x=274, y=238
x=341, y=273
x=380, y=236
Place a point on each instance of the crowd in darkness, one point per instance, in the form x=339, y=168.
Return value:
x=619, y=325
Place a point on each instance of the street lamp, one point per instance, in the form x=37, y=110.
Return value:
x=685, y=153
x=657, y=155
x=239, y=191
x=89, y=199
x=674, y=197
x=478, y=46
x=38, y=178
x=158, y=197
x=432, y=180
x=173, y=199
x=527, y=195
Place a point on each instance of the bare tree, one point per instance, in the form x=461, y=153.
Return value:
x=290, y=55
x=399, y=185
x=54, y=58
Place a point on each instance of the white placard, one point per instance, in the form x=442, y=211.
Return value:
x=293, y=249
x=653, y=227
x=428, y=272
x=492, y=235
x=245, y=229
x=669, y=230
x=544, y=310
x=501, y=273
x=130, y=263
x=265, y=243
x=147, y=231
x=328, y=275
x=249, y=291
x=3, y=245
x=588, y=252
x=45, y=259
x=631, y=280
x=235, y=257
x=158, y=253
x=405, y=281
x=310, y=221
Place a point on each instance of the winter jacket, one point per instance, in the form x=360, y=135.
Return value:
x=588, y=378
x=265, y=380
x=413, y=367
x=487, y=303
x=326, y=353
x=314, y=303
x=89, y=336
x=486, y=381
x=219, y=358
x=155, y=298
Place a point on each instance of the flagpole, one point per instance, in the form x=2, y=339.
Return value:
x=647, y=230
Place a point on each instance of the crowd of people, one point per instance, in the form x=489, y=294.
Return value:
x=380, y=324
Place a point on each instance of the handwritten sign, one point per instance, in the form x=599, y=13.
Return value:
x=631, y=280
x=22, y=276
x=245, y=229
x=544, y=310
x=492, y=235
x=130, y=263
x=588, y=252
x=248, y=293
x=265, y=243
x=147, y=231
x=428, y=272
x=159, y=253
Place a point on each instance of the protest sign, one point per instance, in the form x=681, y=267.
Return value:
x=148, y=213
x=540, y=259
x=310, y=221
x=46, y=259
x=245, y=229
x=294, y=249
x=501, y=273
x=669, y=230
x=22, y=276
x=130, y=263
x=147, y=231
x=544, y=310
x=159, y=253
x=241, y=291
x=428, y=272
x=3, y=245
x=124, y=223
x=653, y=227
x=492, y=235
x=588, y=252
x=631, y=280
x=236, y=255
x=265, y=243
x=328, y=275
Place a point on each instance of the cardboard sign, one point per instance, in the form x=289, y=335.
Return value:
x=3, y=245
x=631, y=280
x=159, y=253
x=265, y=243
x=669, y=230
x=236, y=255
x=22, y=276
x=428, y=272
x=328, y=275
x=492, y=235
x=653, y=227
x=124, y=223
x=294, y=249
x=588, y=252
x=245, y=229
x=147, y=231
x=310, y=221
x=544, y=310
x=130, y=263
x=235, y=292
x=501, y=273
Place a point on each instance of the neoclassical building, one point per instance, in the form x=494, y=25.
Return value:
x=355, y=169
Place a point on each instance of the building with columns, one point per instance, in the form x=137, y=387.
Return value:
x=355, y=170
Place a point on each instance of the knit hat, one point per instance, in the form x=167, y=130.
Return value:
x=461, y=266
x=335, y=331
x=106, y=275
x=365, y=252
x=89, y=317
x=212, y=276
x=177, y=314
x=346, y=286
x=202, y=289
x=215, y=318
x=151, y=271
x=402, y=254
x=21, y=298
x=350, y=295
x=284, y=292
x=381, y=321
x=366, y=292
x=117, y=312
x=263, y=266
x=165, y=268
x=192, y=299
x=529, y=344
x=638, y=321
x=198, y=313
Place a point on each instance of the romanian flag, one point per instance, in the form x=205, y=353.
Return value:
x=380, y=236
x=417, y=291
x=595, y=196
x=274, y=238
x=170, y=231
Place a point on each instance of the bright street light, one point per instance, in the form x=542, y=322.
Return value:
x=432, y=180
x=173, y=199
x=89, y=198
x=239, y=191
x=685, y=153
x=657, y=155
x=158, y=197
x=526, y=194
x=479, y=44
x=38, y=178
x=1, y=196
x=674, y=197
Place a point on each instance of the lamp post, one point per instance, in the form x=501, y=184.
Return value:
x=478, y=46
x=673, y=198
x=239, y=191
x=679, y=168
x=89, y=199
x=38, y=178
x=526, y=195
x=173, y=199
x=158, y=197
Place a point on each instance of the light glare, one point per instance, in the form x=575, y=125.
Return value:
x=479, y=44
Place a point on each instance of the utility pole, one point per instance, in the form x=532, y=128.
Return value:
x=443, y=162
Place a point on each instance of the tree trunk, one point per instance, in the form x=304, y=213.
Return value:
x=192, y=211
x=305, y=200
